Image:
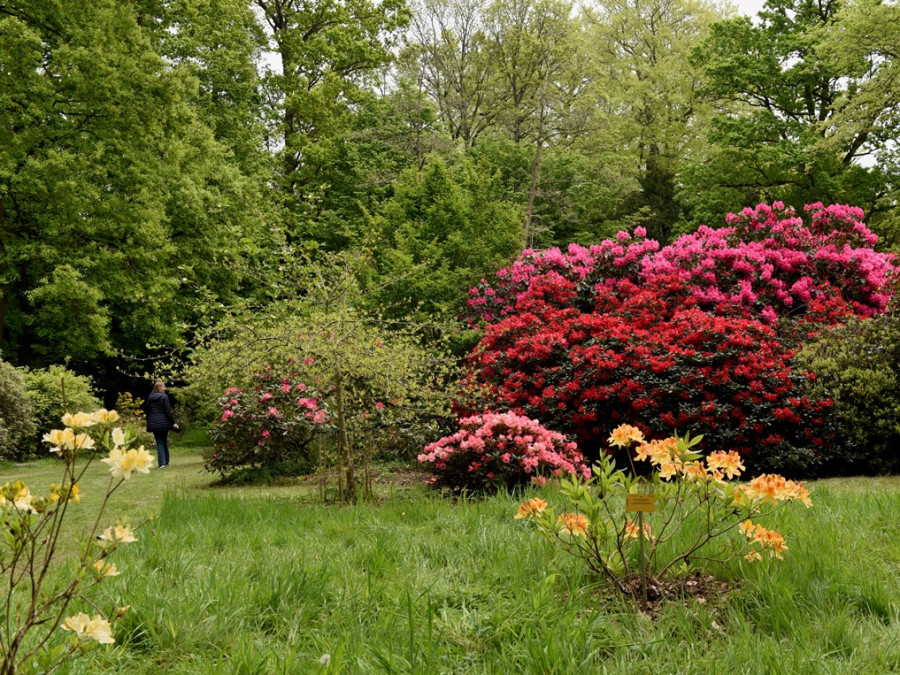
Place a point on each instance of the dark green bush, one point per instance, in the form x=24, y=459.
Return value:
x=56, y=390
x=17, y=426
x=858, y=365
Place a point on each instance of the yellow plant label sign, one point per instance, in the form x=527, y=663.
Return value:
x=640, y=502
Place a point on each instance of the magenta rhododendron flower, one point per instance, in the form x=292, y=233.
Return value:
x=766, y=263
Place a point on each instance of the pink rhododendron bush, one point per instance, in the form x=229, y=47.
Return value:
x=635, y=530
x=273, y=421
x=767, y=264
x=501, y=450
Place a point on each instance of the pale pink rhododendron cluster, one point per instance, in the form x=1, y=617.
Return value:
x=501, y=449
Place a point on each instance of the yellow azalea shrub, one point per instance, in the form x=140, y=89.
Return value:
x=36, y=607
x=697, y=511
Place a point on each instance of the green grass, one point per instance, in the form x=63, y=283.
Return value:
x=263, y=580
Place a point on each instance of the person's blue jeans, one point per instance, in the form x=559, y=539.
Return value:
x=162, y=447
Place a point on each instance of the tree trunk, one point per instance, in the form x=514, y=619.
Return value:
x=4, y=293
x=344, y=452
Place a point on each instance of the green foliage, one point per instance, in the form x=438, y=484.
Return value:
x=56, y=390
x=858, y=365
x=115, y=196
x=419, y=584
x=330, y=55
x=445, y=228
x=68, y=317
x=782, y=130
x=383, y=391
x=17, y=426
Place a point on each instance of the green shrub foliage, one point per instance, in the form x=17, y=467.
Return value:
x=16, y=415
x=858, y=365
x=56, y=390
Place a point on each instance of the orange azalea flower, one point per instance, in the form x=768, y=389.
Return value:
x=531, y=508
x=798, y=492
x=773, y=488
x=658, y=452
x=631, y=530
x=727, y=462
x=624, y=434
x=575, y=524
x=769, y=487
x=693, y=470
x=747, y=528
x=740, y=496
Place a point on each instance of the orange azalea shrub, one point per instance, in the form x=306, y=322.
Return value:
x=694, y=495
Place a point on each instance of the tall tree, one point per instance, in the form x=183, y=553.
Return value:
x=777, y=134
x=642, y=54
x=330, y=51
x=112, y=191
x=864, y=43
x=451, y=47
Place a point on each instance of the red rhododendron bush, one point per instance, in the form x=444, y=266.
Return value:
x=501, y=449
x=650, y=356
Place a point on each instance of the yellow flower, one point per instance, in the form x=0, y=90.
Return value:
x=77, y=623
x=120, y=534
x=118, y=437
x=61, y=439
x=575, y=524
x=531, y=508
x=70, y=493
x=122, y=464
x=747, y=528
x=753, y=556
x=104, y=416
x=18, y=495
x=96, y=628
x=624, y=434
x=106, y=569
x=78, y=420
x=727, y=462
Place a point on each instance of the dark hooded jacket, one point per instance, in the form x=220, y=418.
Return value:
x=159, y=412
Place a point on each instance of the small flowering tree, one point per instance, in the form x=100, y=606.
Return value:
x=35, y=607
x=636, y=529
x=501, y=449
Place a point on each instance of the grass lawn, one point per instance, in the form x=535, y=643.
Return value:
x=264, y=580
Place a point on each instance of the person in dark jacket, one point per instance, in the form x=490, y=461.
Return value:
x=159, y=420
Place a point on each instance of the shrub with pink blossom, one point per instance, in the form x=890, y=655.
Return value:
x=496, y=450
x=766, y=264
x=273, y=422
